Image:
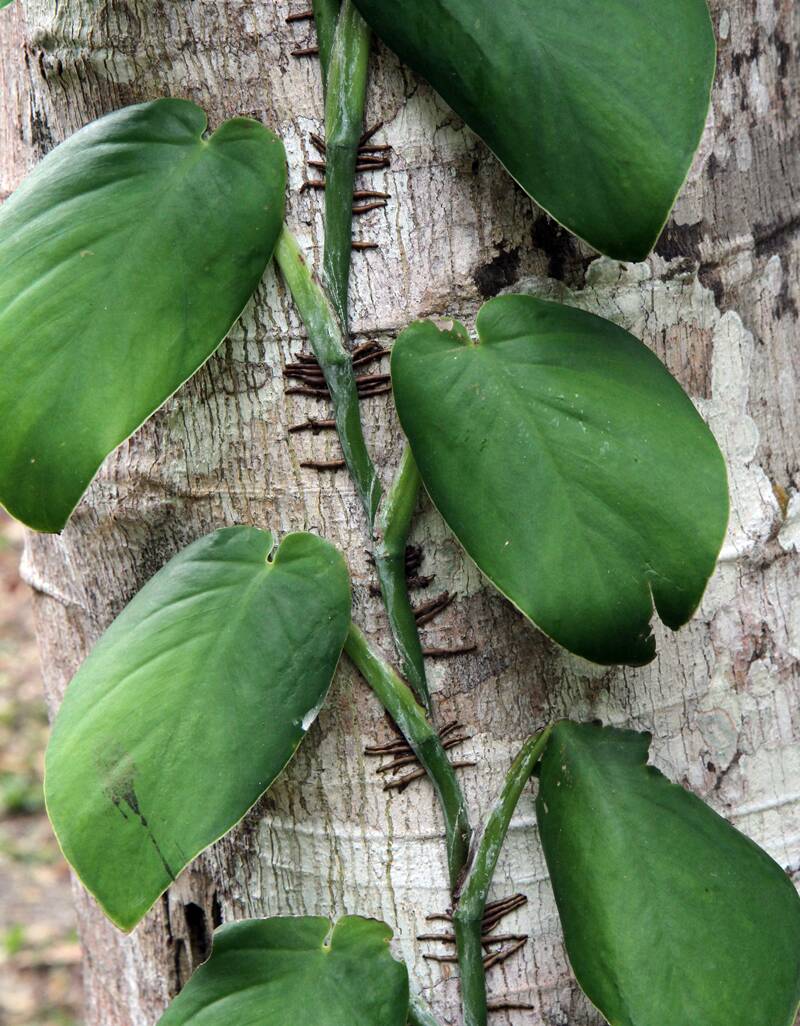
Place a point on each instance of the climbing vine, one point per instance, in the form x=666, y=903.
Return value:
x=562, y=455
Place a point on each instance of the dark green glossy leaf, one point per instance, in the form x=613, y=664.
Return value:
x=127, y=255
x=570, y=465
x=596, y=109
x=190, y=706
x=296, y=972
x=670, y=915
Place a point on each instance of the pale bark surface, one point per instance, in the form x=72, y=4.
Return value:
x=718, y=302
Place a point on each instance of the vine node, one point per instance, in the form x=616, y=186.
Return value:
x=491, y=959
x=494, y=912
x=402, y=755
x=413, y=562
x=308, y=372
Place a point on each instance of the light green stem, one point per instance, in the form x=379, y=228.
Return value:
x=468, y=915
x=390, y=561
x=325, y=14
x=344, y=119
x=398, y=700
x=327, y=344
x=325, y=338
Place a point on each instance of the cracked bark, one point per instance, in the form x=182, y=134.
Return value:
x=717, y=301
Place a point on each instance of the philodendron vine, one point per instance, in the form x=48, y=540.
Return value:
x=565, y=459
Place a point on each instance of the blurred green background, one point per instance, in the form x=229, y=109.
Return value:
x=40, y=978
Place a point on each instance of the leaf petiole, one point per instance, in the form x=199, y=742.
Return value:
x=399, y=702
x=486, y=849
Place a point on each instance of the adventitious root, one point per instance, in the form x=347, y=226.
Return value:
x=413, y=561
x=314, y=425
x=448, y=653
x=309, y=49
x=400, y=755
x=427, y=611
x=308, y=372
x=370, y=157
x=494, y=914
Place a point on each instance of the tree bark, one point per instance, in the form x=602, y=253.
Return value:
x=718, y=302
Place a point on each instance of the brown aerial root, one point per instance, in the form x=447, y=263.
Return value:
x=427, y=611
x=308, y=372
x=402, y=756
x=493, y=914
x=370, y=156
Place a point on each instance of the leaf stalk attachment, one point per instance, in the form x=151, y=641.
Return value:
x=486, y=847
x=399, y=702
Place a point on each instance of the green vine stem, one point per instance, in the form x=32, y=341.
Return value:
x=399, y=702
x=419, y=1014
x=390, y=560
x=327, y=343
x=325, y=338
x=344, y=118
x=468, y=914
x=326, y=13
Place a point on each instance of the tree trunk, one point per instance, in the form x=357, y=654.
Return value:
x=717, y=302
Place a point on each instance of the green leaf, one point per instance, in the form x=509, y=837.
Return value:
x=571, y=467
x=596, y=109
x=670, y=915
x=296, y=972
x=189, y=707
x=127, y=256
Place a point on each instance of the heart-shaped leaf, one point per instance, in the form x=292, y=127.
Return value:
x=296, y=972
x=670, y=915
x=571, y=467
x=596, y=109
x=127, y=255
x=190, y=706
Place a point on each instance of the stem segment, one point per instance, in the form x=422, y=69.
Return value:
x=325, y=14
x=325, y=338
x=398, y=700
x=344, y=117
x=390, y=561
x=327, y=343
x=468, y=915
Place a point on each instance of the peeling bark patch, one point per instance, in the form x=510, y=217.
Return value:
x=681, y=241
x=770, y=239
x=565, y=260
x=499, y=273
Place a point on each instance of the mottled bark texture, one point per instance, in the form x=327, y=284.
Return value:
x=718, y=301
